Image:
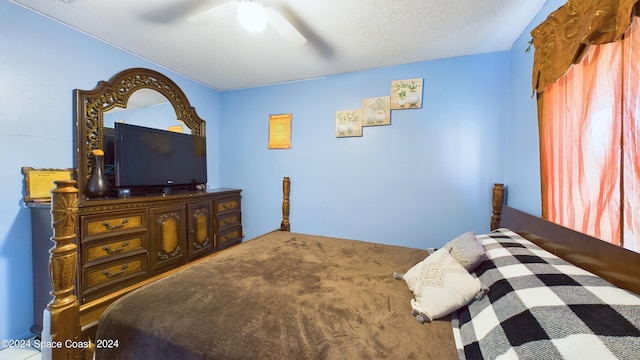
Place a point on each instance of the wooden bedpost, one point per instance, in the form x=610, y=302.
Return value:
x=61, y=321
x=496, y=201
x=286, y=188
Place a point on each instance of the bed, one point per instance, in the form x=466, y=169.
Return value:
x=288, y=295
x=280, y=296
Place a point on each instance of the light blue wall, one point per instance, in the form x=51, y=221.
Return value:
x=41, y=62
x=522, y=157
x=418, y=182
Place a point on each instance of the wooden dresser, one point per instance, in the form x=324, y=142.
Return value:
x=124, y=242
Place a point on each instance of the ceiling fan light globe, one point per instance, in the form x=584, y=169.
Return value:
x=252, y=16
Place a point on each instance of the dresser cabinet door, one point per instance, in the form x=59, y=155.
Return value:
x=200, y=238
x=168, y=236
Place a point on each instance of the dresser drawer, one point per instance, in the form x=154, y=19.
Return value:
x=229, y=220
x=114, y=246
x=112, y=222
x=226, y=205
x=112, y=275
x=229, y=237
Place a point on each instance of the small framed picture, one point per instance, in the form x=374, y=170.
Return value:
x=376, y=111
x=280, y=131
x=40, y=182
x=406, y=94
x=348, y=123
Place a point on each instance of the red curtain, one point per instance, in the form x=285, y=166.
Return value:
x=590, y=159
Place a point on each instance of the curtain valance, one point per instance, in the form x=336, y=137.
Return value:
x=563, y=37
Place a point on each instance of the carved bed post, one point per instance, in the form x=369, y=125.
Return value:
x=286, y=188
x=61, y=319
x=496, y=201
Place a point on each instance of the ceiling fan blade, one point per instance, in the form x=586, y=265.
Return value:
x=215, y=13
x=283, y=27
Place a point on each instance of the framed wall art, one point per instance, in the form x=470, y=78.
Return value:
x=348, y=123
x=376, y=111
x=406, y=94
x=176, y=128
x=39, y=182
x=280, y=131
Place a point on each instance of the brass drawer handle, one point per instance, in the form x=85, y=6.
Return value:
x=115, y=227
x=229, y=221
x=110, y=251
x=229, y=205
x=109, y=274
x=229, y=236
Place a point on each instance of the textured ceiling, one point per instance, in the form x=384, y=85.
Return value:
x=343, y=35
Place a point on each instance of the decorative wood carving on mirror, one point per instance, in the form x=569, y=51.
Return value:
x=92, y=104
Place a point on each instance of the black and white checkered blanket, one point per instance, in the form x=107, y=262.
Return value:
x=541, y=307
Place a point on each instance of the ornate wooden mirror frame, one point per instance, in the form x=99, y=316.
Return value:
x=92, y=104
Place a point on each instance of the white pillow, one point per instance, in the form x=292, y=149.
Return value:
x=467, y=250
x=441, y=285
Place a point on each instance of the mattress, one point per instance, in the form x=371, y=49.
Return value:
x=281, y=296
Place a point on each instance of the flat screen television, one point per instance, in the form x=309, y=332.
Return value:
x=108, y=136
x=152, y=160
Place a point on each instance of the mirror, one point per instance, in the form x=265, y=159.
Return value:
x=113, y=96
x=148, y=108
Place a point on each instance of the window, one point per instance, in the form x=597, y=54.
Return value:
x=590, y=156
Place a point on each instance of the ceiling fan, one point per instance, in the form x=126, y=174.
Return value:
x=253, y=16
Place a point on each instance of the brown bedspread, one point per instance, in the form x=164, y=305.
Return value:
x=280, y=296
